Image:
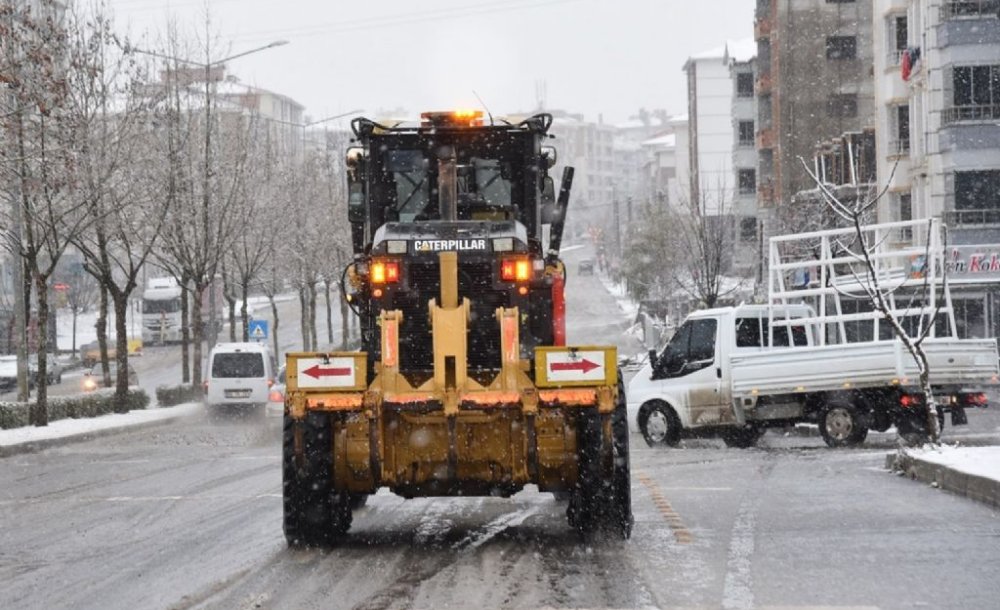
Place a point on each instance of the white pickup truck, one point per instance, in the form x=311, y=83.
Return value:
x=735, y=371
x=719, y=377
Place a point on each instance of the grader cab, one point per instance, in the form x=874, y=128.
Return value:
x=464, y=385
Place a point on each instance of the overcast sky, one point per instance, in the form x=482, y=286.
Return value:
x=593, y=56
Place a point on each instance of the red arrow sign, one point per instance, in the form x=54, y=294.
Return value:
x=316, y=371
x=583, y=366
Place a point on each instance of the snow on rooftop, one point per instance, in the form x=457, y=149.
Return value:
x=665, y=140
x=742, y=50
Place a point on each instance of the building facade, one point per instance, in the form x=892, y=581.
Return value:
x=938, y=101
x=814, y=82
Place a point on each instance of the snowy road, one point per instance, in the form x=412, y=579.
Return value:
x=189, y=516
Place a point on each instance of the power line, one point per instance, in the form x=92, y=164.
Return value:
x=444, y=14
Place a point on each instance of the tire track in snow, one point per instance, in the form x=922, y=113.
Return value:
x=737, y=591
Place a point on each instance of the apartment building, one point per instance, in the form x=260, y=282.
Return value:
x=814, y=82
x=741, y=58
x=938, y=132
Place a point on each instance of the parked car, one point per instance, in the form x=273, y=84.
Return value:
x=90, y=353
x=53, y=370
x=586, y=267
x=92, y=379
x=276, y=397
x=8, y=373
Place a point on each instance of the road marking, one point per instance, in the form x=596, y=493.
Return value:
x=681, y=533
x=737, y=590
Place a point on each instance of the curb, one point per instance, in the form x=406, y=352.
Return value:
x=974, y=487
x=42, y=444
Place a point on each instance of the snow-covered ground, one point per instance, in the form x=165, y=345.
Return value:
x=73, y=427
x=978, y=461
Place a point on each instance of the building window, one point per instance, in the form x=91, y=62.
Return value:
x=952, y=9
x=842, y=105
x=841, y=47
x=901, y=130
x=896, y=37
x=746, y=133
x=977, y=190
x=747, y=179
x=744, y=84
x=748, y=229
x=975, y=93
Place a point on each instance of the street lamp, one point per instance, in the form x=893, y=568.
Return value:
x=206, y=178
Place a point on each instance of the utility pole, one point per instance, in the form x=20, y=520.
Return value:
x=618, y=223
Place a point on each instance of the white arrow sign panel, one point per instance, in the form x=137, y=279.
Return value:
x=323, y=373
x=575, y=366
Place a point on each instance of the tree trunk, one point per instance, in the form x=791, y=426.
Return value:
x=185, y=334
x=102, y=332
x=274, y=329
x=244, y=310
x=329, y=313
x=120, y=301
x=312, y=316
x=38, y=412
x=231, y=314
x=304, y=319
x=76, y=314
x=198, y=334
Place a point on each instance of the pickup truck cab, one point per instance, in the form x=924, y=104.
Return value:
x=727, y=373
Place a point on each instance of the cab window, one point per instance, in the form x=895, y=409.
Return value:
x=691, y=349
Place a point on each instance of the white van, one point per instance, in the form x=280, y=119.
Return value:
x=239, y=374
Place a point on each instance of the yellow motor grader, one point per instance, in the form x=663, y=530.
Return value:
x=464, y=385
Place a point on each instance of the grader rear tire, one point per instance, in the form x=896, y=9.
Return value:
x=602, y=497
x=314, y=514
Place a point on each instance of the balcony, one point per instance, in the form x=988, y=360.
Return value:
x=763, y=84
x=988, y=217
x=970, y=114
x=894, y=58
x=765, y=192
x=762, y=28
x=765, y=138
x=898, y=148
x=969, y=9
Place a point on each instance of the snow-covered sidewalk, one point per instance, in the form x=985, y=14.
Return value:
x=973, y=472
x=31, y=438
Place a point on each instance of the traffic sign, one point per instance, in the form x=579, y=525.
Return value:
x=336, y=372
x=257, y=329
x=575, y=365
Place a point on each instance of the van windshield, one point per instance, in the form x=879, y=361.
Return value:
x=237, y=365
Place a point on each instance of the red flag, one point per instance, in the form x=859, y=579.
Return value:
x=906, y=65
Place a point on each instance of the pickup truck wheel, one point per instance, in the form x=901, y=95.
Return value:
x=659, y=424
x=742, y=438
x=314, y=515
x=842, y=425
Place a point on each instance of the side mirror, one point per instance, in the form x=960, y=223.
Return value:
x=548, y=201
x=355, y=203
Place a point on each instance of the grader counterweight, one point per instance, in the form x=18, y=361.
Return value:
x=462, y=386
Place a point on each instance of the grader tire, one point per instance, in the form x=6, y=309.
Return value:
x=602, y=497
x=314, y=515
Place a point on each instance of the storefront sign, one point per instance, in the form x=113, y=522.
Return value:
x=974, y=263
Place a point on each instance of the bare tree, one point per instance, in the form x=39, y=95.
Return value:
x=869, y=278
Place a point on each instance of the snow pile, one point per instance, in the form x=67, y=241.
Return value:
x=71, y=427
x=977, y=461
x=629, y=307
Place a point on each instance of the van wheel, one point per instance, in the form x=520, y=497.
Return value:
x=659, y=424
x=842, y=425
